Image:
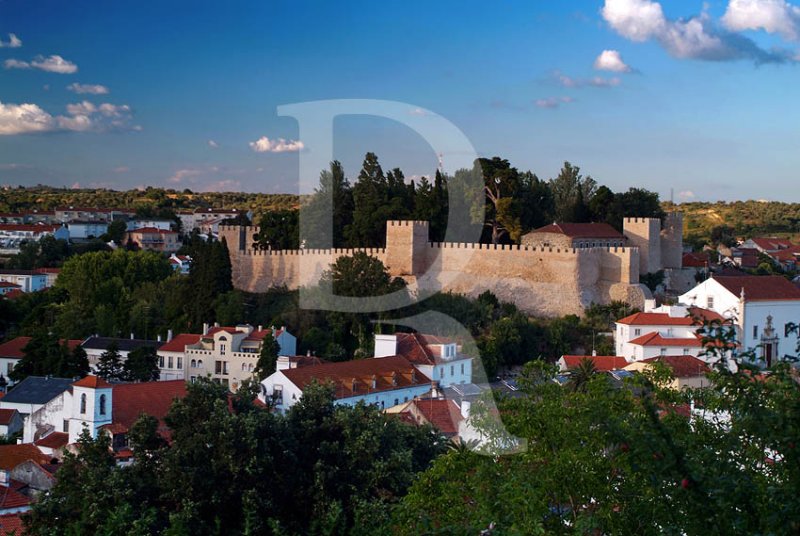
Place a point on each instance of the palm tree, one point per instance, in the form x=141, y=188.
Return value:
x=582, y=374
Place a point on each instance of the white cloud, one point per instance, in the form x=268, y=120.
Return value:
x=91, y=89
x=213, y=144
x=553, y=102
x=81, y=117
x=696, y=37
x=686, y=194
x=13, y=42
x=266, y=145
x=51, y=64
x=225, y=185
x=610, y=60
x=24, y=119
x=182, y=174
x=596, y=81
x=772, y=16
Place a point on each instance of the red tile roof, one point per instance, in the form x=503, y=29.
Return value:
x=581, y=230
x=257, y=335
x=664, y=319
x=10, y=498
x=13, y=455
x=13, y=348
x=363, y=371
x=92, y=382
x=683, y=366
x=760, y=287
x=213, y=331
x=12, y=524
x=772, y=243
x=694, y=260
x=130, y=400
x=655, y=339
x=444, y=415
x=416, y=347
x=179, y=342
x=6, y=284
x=33, y=228
x=47, y=270
x=151, y=230
x=6, y=415
x=602, y=363
x=53, y=440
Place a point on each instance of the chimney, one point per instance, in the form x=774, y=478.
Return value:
x=465, y=408
x=260, y=327
x=158, y=338
x=131, y=335
x=205, y=328
x=169, y=335
x=216, y=324
x=434, y=389
x=308, y=353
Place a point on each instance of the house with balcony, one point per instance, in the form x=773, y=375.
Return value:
x=13, y=236
x=439, y=358
x=230, y=354
x=153, y=239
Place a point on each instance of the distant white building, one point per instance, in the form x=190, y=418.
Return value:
x=85, y=230
x=763, y=308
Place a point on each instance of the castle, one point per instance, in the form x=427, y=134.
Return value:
x=545, y=281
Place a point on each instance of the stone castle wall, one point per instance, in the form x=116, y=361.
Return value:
x=541, y=281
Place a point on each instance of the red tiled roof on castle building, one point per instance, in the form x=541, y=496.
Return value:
x=760, y=287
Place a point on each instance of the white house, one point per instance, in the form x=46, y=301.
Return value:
x=171, y=356
x=12, y=351
x=384, y=382
x=32, y=394
x=438, y=358
x=95, y=347
x=92, y=403
x=84, y=230
x=763, y=307
x=140, y=223
x=12, y=236
x=180, y=263
x=668, y=330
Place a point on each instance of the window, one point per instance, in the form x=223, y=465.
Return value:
x=685, y=351
x=250, y=368
x=179, y=362
x=199, y=363
x=452, y=370
x=669, y=332
x=396, y=401
x=244, y=367
x=663, y=351
x=462, y=369
x=102, y=404
x=755, y=332
x=65, y=426
x=192, y=378
x=83, y=404
x=637, y=332
x=161, y=361
x=169, y=362
x=710, y=302
x=787, y=329
x=193, y=363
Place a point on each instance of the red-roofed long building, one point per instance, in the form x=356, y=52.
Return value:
x=574, y=235
x=764, y=309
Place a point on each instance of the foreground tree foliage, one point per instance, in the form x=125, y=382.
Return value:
x=321, y=469
x=602, y=459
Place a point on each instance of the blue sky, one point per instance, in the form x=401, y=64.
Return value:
x=694, y=98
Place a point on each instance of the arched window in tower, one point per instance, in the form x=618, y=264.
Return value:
x=83, y=403
x=102, y=404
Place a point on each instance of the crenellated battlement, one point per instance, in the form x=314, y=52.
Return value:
x=541, y=280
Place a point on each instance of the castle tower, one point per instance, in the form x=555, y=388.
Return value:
x=645, y=233
x=672, y=241
x=91, y=406
x=406, y=247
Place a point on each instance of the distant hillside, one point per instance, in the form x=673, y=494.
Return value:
x=48, y=198
x=746, y=218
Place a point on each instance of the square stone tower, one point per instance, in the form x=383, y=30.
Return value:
x=645, y=233
x=406, y=247
x=672, y=241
